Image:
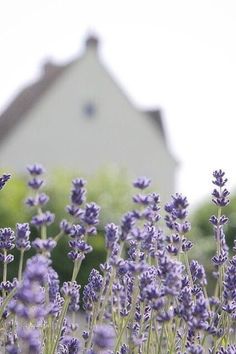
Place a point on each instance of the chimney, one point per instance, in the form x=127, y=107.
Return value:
x=92, y=43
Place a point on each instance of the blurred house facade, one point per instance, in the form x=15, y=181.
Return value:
x=76, y=116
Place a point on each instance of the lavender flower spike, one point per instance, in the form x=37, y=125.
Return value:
x=22, y=236
x=35, y=169
x=103, y=337
x=3, y=180
x=141, y=182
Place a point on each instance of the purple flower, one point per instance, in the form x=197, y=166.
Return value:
x=78, y=192
x=178, y=206
x=220, y=197
x=91, y=214
x=71, y=289
x=185, y=308
x=200, y=313
x=37, y=269
x=111, y=235
x=92, y=289
x=124, y=349
x=76, y=231
x=172, y=279
x=142, y=199
x=141, y=182
x=65, y=226
x=6, y=259
x=12, y=349
x=35, y=183
x=6, y=238
x=104, y=337
x=69, y=345
x=41, y=200
x=80, y=246
x=198, y=272
x=230, y=281
x=54, y=284
x=220, y=259
x=45, y=218
x=44, y=245
x=30, y=341
x=231, y=349
x=35, y=169
x=9, y=286
x=219, y=178
x=127, y=223
x=29, y=300
x=3, y=179
x=195, y=349
x=222, y=220
x=22, y=236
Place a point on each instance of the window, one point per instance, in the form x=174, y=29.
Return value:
x=89, y=109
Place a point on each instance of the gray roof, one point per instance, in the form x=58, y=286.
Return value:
x=30, y=95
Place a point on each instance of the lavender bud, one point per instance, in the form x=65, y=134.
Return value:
x=45, y=218
x=141, y=182
x=3, y=179
x=35, y=183
x=22, y=236
x=103, y=337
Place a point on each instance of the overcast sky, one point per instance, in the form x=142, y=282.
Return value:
x=178, y=55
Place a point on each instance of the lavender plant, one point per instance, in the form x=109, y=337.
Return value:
x=147, y=297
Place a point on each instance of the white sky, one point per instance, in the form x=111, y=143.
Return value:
x=179, y=55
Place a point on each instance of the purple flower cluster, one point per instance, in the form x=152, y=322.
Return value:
x=103, y=337
x=30, y=297
x=3, y=179
x=92, y=290
x=86, y=219
x=149, y=298
x=38, y=200
x=71, y=290
x=7, y=238
x=22, y=236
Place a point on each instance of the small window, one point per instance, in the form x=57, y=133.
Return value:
x=89, y=109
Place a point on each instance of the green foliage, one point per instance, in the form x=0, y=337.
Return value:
x=109, y=188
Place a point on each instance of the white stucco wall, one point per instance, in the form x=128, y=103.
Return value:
x=57, y=133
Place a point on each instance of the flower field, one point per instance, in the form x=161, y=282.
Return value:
x=147, y=297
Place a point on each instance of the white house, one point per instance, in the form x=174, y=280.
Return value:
x=77, y=117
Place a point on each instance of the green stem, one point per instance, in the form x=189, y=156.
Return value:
x=44, y=232
x=88, y=343
x=150, y=334
x=105, y=299
x=5, y=301
x=188, y=269
x=4, y=278
x=161, y=337
x=76, y=269
x=60, y=324
x=20, y=265
x=121, y=333
x=58, y=236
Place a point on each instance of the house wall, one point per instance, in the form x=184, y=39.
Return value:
x=56, y=132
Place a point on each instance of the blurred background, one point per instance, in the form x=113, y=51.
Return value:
x=122, y=89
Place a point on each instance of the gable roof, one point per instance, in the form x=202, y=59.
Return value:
x=30, y=95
